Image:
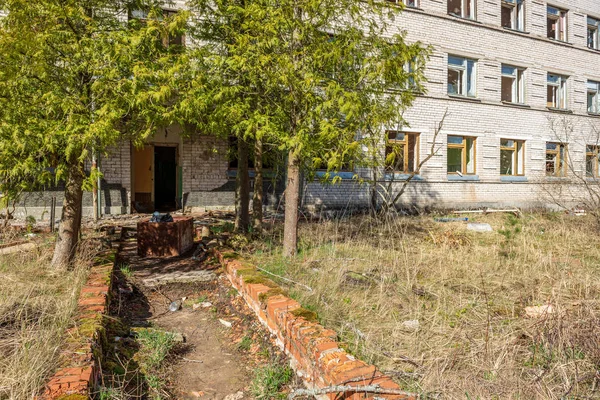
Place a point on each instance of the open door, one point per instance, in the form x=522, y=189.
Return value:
x=165, y=178
x=143, y=160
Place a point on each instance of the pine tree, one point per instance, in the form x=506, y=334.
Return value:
x=77, y=77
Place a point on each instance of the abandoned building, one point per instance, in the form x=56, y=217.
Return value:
x=516, y=83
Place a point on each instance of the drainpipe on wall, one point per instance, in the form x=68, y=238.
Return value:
x=95, y=188
x=99, y=188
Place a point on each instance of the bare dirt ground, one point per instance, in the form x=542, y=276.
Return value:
x=222, y=342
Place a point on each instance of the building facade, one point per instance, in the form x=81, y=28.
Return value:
x=510, y=117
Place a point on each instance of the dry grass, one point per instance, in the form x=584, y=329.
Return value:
x=468, y=291
x=36, y=307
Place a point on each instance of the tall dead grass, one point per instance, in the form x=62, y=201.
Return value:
x=468, y=292
x=36, y=307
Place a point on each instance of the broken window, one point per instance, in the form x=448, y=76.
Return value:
x=512, y=84
x=593, y=97
x=461, y=76
x=462, y=8
x=461, y=155
x=513, y=14
x=401, y=152
x=557, y=91
x=592, y=160
x=556, y=159
x=512, y=157
x=593, y=36
x=557, y=23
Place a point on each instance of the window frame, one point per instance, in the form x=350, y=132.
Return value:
x=415, y=3
x=463, y=71
x=593, y=151
x=517, y=156
x=561, y=91
x=518, y=83
x=463, y=147
x=561, y=158
x=463, y=7
x=561, y=33
x=517, y=14
x=594, y=29
x=593, y=108
x=405, y=143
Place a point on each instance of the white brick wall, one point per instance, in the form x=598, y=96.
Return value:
x=488, y=118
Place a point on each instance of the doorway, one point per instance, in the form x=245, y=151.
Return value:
x=165, y=178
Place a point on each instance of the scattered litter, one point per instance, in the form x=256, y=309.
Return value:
x=576, y=213
x=197, y=394
x=175, y=306
x=235, y=396
x=539, y=311
x=479, y=227
x=226, y=323
x=451, y=219
x=158, y=217
x=411, y=325
x=117, y=338
x=204, y=304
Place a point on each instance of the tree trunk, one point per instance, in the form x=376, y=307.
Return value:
x=257, y=197
x=292, y=197
x=242, y=215
x=70, y=223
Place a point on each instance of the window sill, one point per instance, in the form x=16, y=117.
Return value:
x=515, y=30
x=553, y=178
x=592, y=114
x=513, y=178
x=464, y=98
x=401, y=177
x=560, y=110
x=518, y=105
x=341, y=174
x=559, y=41
x=464, y=178
x=465, y=18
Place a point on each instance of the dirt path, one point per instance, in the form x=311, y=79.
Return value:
x=212, y=362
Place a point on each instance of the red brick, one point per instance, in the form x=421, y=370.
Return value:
x=92, y=301
x=97, y=309
x=256, y=289
x=351, y=370
x=102, y=289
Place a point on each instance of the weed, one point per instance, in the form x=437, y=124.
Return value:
x=126, y=271
x=37, y=305
x=155, y=345
x=245, y=343
x=269, y=380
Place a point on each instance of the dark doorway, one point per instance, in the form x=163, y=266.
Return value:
x=165, y=178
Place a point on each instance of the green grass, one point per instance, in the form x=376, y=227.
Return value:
x=245, y=343
x=269, y=381
x=126, y=271
x=154, y=348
